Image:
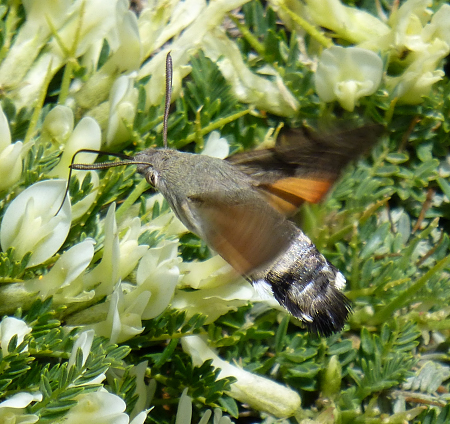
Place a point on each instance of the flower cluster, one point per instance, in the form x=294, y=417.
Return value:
x=413, y=42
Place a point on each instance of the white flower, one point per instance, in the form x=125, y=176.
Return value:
x=5, y=133
x=184, y=411
x=346, y=22
x=140, y=418
x=32, y=37
x=411, y=37
x=13, y=409
x=84, y=342
x=124, y=41
x=122, y=109
x=438, y=26
x=122, y=323
x=165, y=20
x=258, y=392
x=125, y=56
x=425, y=45
x=86, y=135
x=143, y=391
x=211, y=273
x=248, y=87
x=89, y=22
x=214, y=302
x=347, y=74
x=130, y=251
x=119, y=257
x=105, y=275
x=30, y=224
x=83, y=24
x=416, y=49
x=166, y=223
x=10, y=155
x=10, y=327
x=98, y=408
x=58, y=124
x=183, y=47
x=21, y=400
x=407, y=25
x=63, y=282
x=157, y=277
x=216, y=146
x=417, y=79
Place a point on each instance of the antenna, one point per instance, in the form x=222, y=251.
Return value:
x=126, y=160
x=81, y=166
x=168, y=96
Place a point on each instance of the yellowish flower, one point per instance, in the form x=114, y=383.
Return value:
x=347, y=74
x=348, y=23
x=64, y=281
x=13, y=410
x=98, y=407
x=258, y=392
x=10, y=327
x=214, y=302
x=122, y=110
x=417, y=79
x=10, y=155
x=248, y=87
x=30, y=223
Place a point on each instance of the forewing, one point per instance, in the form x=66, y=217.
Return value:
x=247, y=234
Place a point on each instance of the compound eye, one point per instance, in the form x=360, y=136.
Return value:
x=152, y=178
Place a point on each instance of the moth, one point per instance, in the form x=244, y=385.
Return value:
x=240, y=208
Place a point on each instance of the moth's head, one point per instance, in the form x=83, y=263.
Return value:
x=153, y=164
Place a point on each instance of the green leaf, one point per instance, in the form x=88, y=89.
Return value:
x=229, y=405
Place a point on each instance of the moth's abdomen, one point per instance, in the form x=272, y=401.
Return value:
x=307, y=285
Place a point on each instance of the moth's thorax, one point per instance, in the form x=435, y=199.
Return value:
x=181, y=177
x=184, y=174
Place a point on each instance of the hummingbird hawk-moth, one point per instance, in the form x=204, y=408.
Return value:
x=239, y=207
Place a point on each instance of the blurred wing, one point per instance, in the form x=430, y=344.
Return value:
x=247, y=235
x=304, y=165
x=287, y=194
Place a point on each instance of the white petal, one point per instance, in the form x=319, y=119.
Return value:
x=216, y=146
x=84, y=342
x=86, y=135
x=30, y=224
x=58, y=124
x=10, y=327
x=20, y=400
x=105, y=275
x=184, y=411
x=11, y=165
x=347, y=74
x=98, y=408
x=5, y=133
